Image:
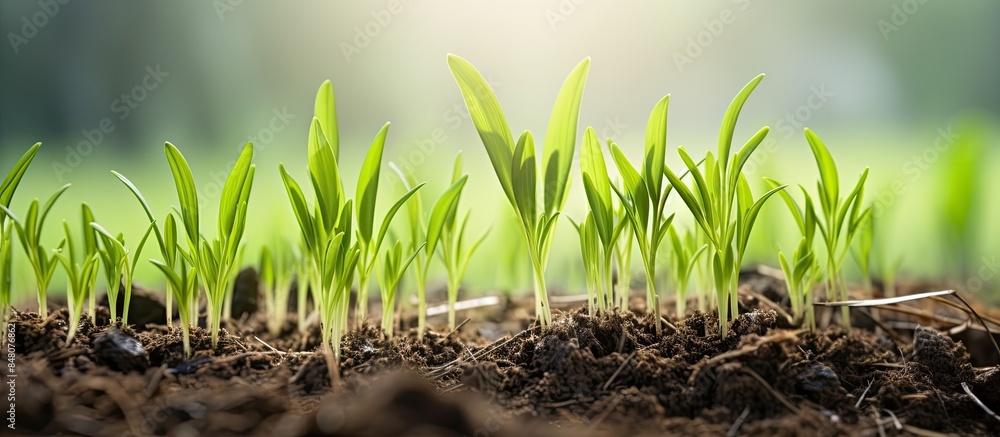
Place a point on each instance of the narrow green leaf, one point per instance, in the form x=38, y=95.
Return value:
x=829, y=186
x=325, y=111
x=560, y=138
x=656, y=147
x=488, y=116
x=729, y=120
x=692, y=203
x=597, y=185
x=89, y=239
x=187, y=194
x=367, y=192
x=13, y=178
x=169, y=249
x=232, y=190
x=523, y=176
x=842, y=213
x=707, y=201
x=750, y=217
x=301, y=209
x=392, y=213
x=48, y=207
x=744, y=154
x=325, y=175
x=634, y=185
x=793, y=207
x=444, y=205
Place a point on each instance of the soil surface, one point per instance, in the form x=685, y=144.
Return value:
x=499, y=374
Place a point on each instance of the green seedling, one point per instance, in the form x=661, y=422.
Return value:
x=182, y=279
x=390, y=273
x=801, y=275
x=166, y=239
x=276, y=274
x=368, y=242
x=429, y=233
x=90, y=245
x=724, y=206
x=303, y=282
x=960, y=194
x=7, y=189
x=118, y=268
x=29, y=232
x=863, y=252
x=623, y=259
x=644, y=196
x=516, y=166
x=455, y=250
x=215, y=261
x=601, y=230
x=81, y=276
x=590, y=250
x=803, y=270
x=683, y=260
x=326, y=230
x=838, y=220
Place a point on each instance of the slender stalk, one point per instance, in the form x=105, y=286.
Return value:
x=361, y=312
x=421, y=304
x=170, y=306
x=542, y=308
x=653, y=299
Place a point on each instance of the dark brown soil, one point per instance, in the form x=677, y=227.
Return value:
x=585, y=375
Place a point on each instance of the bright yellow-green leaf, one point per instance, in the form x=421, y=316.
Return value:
x=656, y=148
x=560, y=138
x=367, y=191
x=729, y=121
x=488, y=116
x=325, y=110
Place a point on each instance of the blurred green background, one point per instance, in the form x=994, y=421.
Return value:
x=909, y=88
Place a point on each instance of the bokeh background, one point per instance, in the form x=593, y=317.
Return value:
x=909, y=88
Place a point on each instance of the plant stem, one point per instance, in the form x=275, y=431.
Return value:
x=653, y=299
x=43, y=310
x=214, y=324
x=732, y=285
x=542, y=310
x=681, y=299
x=453, y=288
x=302, y=288
x=421, y=307
x=361, y=312
x=128, y=300
x=609, y=287
x=388, y=305
x=169, y=304
x=91, y=304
